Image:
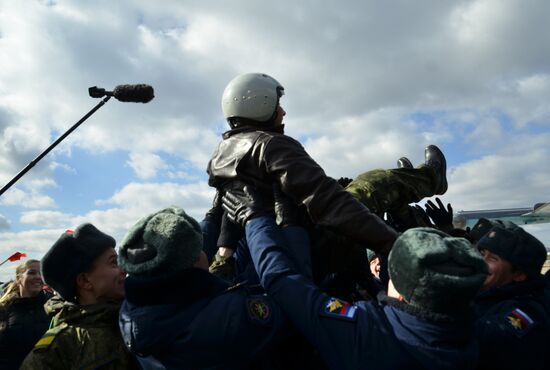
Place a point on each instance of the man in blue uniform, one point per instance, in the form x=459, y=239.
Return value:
x=425, y=323
x=179, y=316
x=513, y=323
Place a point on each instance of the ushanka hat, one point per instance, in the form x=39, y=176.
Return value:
x=525, y=252
x=161, y=245
x=483, y=226
x=73, y=253
x=434, y=271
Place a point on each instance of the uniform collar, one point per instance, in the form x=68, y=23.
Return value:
x=188, y=286
x=95, y=314
x=529, y=287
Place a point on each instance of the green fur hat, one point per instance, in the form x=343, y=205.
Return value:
x=161, y=244
x=371, y=255
x=436, y=272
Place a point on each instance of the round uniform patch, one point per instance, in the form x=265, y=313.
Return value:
x=258, y=310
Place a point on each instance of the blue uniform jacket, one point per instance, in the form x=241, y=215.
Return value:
x=364, y=335
x=197, y=322
x=514, y=327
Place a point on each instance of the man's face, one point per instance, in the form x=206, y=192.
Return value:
x=375, y=267
x=280, y=114
x=106, y=277
x=501, y=271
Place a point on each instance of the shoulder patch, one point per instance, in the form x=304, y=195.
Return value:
x=258, y=310
x=334, y=307
x=519, y=322
x=48, y=337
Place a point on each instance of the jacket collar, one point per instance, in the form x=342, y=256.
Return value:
x=100, y=314
x=251, y=128
x=515, y=289
x=436, y=343
x=188, y=286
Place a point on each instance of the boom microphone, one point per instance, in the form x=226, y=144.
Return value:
x=140, y=93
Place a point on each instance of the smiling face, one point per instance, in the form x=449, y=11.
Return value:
x=375, y=267
x=501, y=272
x=30, y=280
x=105, y=279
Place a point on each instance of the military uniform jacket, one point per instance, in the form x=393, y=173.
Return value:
x=513, y=327
x=83, y=337
x=363, y=335
x=197, y=321
x=263, y=158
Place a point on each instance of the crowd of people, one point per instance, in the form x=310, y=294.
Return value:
x=289, y=269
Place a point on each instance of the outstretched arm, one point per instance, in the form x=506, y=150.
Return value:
x=335, y=327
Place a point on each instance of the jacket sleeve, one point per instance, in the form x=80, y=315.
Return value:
x=327, y=202
x=338, y=334
x=210, y=233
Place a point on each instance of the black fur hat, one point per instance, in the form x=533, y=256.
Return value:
x=73, y=253
x=525, y=252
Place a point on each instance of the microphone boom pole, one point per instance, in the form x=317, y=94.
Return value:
x=53, y=145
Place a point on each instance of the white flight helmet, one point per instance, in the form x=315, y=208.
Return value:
x=253, y=96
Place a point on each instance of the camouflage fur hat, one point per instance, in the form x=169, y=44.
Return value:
x=73, y=253
x=161, y=244
x=434, y=271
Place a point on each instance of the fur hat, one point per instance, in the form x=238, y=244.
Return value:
x=434, y=271
x=161, y=244
x=73, y=253
x=371, y=255
x=525, y=252
x=483, y=226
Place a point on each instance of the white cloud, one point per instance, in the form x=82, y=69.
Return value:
x=4, y=223
x=34, y=243
x=146, y=165
x=18, y=197
x=46, y=219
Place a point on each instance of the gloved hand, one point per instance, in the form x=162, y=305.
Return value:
x=223, y=267
x=442, y=218
x=286, y=211
x=421, y=217
x=243, y=204
x=344, y=181
x=215, y=213
x=230, y=233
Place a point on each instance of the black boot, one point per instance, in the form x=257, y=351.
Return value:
x=404, y=162
x=435, y=159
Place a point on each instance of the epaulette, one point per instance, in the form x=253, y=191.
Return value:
x=48, y=337
x=235, y=287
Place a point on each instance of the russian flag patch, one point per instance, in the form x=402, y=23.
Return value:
x=334, y=307
x=519, y=321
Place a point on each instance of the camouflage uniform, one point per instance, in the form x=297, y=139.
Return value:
x=392, y=190
x=81, y=337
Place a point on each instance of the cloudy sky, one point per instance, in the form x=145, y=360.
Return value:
x=366, y=82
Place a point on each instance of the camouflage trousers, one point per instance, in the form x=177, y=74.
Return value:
x=392, y=190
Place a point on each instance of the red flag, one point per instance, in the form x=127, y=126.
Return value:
x=16, y=256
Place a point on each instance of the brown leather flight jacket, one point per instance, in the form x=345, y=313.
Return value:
x=263, y=158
